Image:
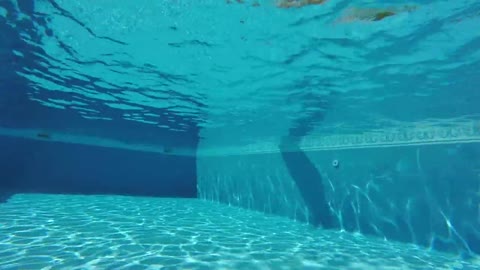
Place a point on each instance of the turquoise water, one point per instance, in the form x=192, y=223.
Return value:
x=228, y=134
x=115, y=232
x=251, y=70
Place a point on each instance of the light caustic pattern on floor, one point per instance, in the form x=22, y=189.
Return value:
x=115, y=232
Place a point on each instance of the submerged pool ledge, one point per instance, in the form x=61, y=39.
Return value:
x=59, y=137
x=412, y=135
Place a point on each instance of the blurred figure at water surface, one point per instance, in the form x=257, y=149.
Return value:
x=350, y=14
x=283, y=3
x=298, y=3
x=374, y=13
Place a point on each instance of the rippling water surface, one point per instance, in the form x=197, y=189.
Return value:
x=171, y=71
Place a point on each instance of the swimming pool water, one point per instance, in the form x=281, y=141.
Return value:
x=40, y=231
x=357, y=116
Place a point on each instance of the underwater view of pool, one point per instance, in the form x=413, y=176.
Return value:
x=239, y=134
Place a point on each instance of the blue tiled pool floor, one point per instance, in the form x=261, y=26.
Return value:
x=115, y=232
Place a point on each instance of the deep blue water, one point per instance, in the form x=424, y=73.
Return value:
x=46, y=167
x=40, y=166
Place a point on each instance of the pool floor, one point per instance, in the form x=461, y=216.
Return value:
x=116, y=232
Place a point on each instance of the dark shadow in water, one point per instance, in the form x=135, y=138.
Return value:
x=4, y=196
x=309, y=182
x=303, y=171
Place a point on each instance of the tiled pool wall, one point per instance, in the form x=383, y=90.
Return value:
x=423, y=194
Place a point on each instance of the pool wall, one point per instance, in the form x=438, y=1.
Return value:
x=52, y=167
x=424, y=194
